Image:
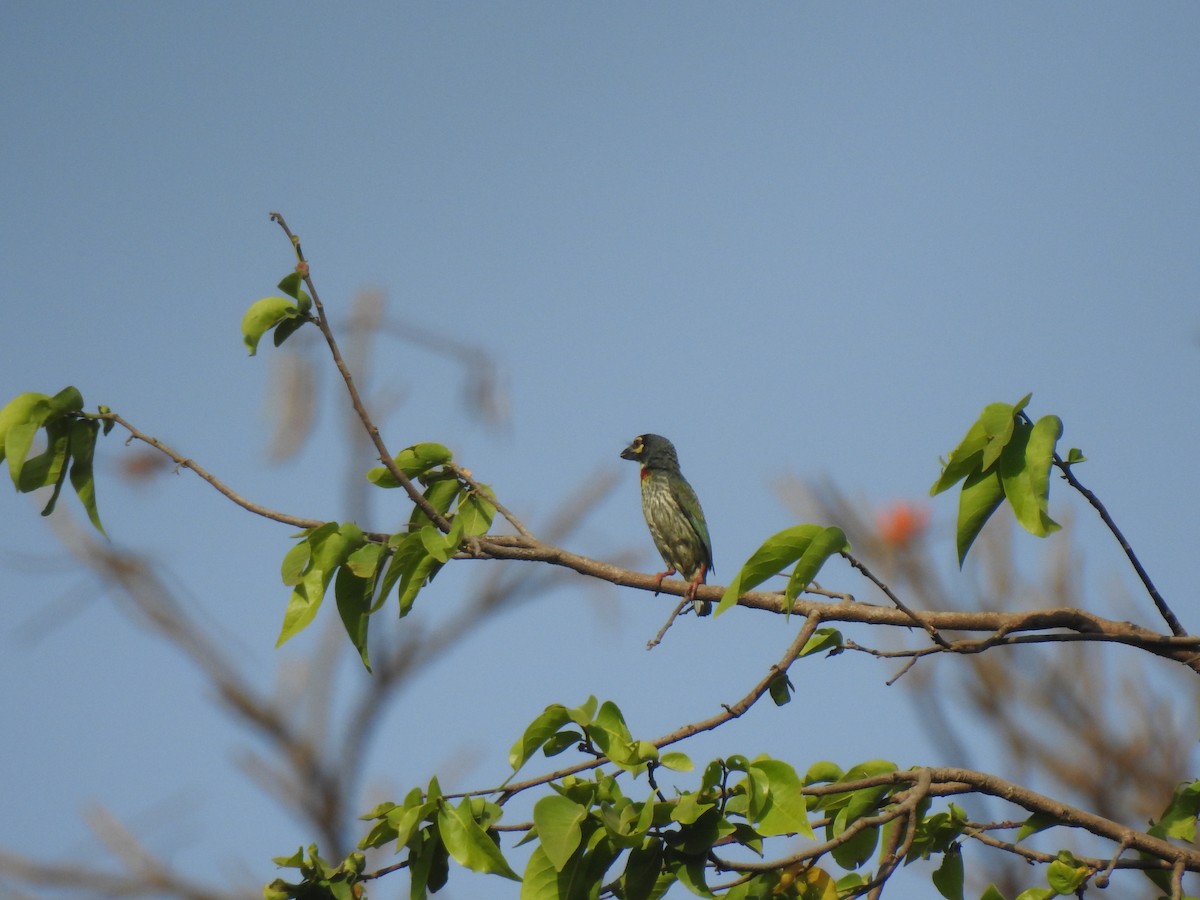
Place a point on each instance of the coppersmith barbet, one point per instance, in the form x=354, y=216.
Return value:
x=673, y=513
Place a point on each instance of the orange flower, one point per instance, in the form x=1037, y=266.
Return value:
x=899, y=523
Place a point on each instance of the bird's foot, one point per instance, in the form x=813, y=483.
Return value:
x=658, y=580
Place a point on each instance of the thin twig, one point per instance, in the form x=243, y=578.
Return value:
x=1161, y=604
x=657, y=639
x=887, y=591
x=322, y=322
x=465, y=476
x=185, y=463
x=728, y=713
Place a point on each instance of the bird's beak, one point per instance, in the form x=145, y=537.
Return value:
x=628, y=453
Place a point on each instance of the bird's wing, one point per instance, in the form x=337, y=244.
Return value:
x=690, y=504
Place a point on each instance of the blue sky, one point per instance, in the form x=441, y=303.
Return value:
x=807, y=239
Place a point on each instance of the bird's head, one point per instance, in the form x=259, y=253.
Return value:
x=653, y=451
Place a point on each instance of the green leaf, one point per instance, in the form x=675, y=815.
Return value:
x=1067, y=875
x=536, y=734
x=998, y=420
x=964, y=459
x=823, y=639
x=784, y=810
x=823, y=772
x=23, y=409
x=16, y=445
x=540, y=881
x=824, y=544
x=1179, y=818
x=1025, y=473
x=262, y=316
x=611, y=735
x=778, y=551
x=558, y=819
x=690, y=807
x=50, y=466
x=561, y=741
x=353, y=595
x=441, y=494
x=1035, y=823
x=291, y=285
x=286, y=329
x=857, y=849
x=469, y=844
x=440, y=546
x=676, y=761
x=83, y=447
x=981, y=495
x=780, y=688
x=981, y=446
x=412, y=461
x=364, y=561
x=948, y=877
x=330, y=545
x=991, y=894
x=295, y=563
x=474, y=517
x=417, y=566
x=642, y=870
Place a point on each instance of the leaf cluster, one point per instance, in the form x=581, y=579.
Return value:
x=1003, y=456
x=366, y=571
x=70, y=439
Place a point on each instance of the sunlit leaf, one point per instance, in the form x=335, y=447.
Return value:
x=558, y=819
x=776, y=552
x=540, y=730
x=262, y=316
x=469, y=844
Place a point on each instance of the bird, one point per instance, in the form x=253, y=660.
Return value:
x=673, y=513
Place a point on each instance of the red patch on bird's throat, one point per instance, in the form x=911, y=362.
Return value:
x=645, y=473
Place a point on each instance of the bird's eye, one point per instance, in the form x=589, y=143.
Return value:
x=637, y=445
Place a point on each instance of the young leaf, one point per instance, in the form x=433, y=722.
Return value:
x=17, y=442
x=776, y=552
x=1025, y=473
x=981, y=495
x=982, y=445
x=677, y=761
x=825, y=543
x=330, y=546
x=823, y=639
x=1035, y=823
x=469, y=844
x=558, y=819
x=784, y=810
x=413, y=461
x=539, y=731
x=1179, y=818
x=262, y=316
x=1067, y=876
x=23, y=409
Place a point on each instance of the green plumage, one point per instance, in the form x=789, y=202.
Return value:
x=673, y=514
